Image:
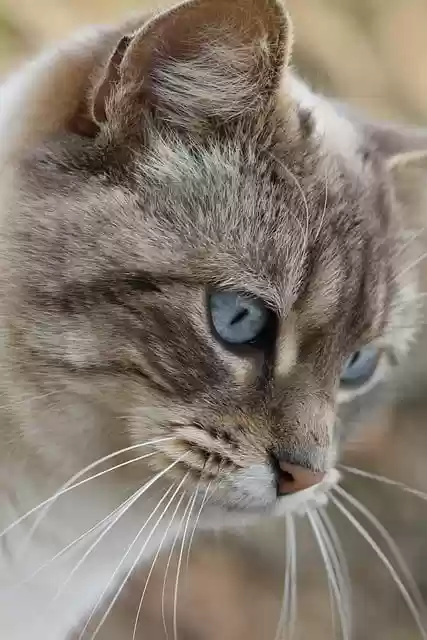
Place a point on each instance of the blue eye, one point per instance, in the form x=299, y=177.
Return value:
x=237, y=319
x=360, y=367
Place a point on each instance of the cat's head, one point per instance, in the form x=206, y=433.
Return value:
x=212, y=257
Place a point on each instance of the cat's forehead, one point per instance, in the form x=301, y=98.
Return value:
x=229, y=204
x=268, y=216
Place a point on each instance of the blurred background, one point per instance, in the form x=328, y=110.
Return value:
x=373, y=54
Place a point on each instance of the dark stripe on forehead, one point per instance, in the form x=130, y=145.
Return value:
x=368, y=286
x=349, y=252
x=328, y=293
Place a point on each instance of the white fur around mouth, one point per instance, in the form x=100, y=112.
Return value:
x=301, y=502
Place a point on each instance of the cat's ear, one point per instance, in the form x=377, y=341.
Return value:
x=409, y=174
x=203, y=59
x=394, y=140
x=389, y=138
x=404, y=149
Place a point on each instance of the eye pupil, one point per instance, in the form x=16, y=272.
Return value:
x=238, y=319
x=239, y=316
x=354, y=358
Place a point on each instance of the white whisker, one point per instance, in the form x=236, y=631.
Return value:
x=160, y=547
x=68, y=486
x=338, y=563
x=165, y=627
x=118, y=510
x=112, y=518
x=97, y=542
x=394, y=549
x=42, y=396
x=292, y=577
x=386, y=562
x=131, y=546
x=411, y=266
x=118, y=567
x=338, y=557
x=334, y=591
x=138, y=558
x=189, y=508
x=196, y=522
x=324, y=210
x=48, y=506
x=284, y=609
x=415, y=235
x=389, y=481
x=332, y=601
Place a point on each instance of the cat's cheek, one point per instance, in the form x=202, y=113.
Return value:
x=252, y=488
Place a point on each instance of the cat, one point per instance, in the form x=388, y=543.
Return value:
x=206, y=271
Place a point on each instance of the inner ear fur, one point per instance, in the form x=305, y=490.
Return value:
x=82, y=63
x=201, y=59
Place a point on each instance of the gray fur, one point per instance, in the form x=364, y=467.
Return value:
x=110, y=241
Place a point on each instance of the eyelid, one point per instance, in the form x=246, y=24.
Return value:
x=360, y=367
x=266, y=295
x=347, y=394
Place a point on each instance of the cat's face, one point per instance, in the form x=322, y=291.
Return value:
x=211, y=266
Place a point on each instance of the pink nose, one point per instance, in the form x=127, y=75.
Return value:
x=292, y=478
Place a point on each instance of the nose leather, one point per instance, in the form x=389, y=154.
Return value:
x=292, y=478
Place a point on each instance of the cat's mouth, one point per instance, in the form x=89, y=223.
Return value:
x=259, y=499
x=251, y=493
x=221, y=478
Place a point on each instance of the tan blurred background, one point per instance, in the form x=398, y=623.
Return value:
x=372, y=53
